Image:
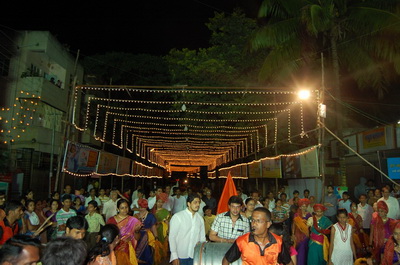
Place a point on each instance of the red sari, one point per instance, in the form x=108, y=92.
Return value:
x=125, y=250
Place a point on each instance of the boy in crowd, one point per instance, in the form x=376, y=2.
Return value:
x=64, y=214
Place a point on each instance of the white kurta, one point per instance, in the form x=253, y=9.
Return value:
x=342, y=253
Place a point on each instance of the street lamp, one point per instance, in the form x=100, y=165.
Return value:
x=304, y=94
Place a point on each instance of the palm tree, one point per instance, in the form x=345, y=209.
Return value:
x=358, y=37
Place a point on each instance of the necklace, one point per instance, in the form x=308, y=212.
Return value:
x=343, y=233
x=142, y=218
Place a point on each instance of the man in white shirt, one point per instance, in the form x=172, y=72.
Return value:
x=135, y=193
x=92, y=197
x=185, y=231
x=392, y=204
x=365, y=211
x=152, y=199
x=134, y=205
x=179, y=201
x=110, y=207
x=168, y=205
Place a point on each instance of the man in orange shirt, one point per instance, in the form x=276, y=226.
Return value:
x=259, y=246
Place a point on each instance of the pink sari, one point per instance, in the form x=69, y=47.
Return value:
x=125, y=250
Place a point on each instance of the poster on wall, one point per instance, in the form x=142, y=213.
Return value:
x=271, y=168
x=107, y=163
x=79, y=158
x=309, y=164
x=124, y=166
x=374, y=138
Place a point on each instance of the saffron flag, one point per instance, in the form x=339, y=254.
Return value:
x=228, y=191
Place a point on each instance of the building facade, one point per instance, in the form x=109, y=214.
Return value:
x=37, y=78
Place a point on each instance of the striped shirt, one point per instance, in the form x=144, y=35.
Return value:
x=62, y=217
x=223, y=225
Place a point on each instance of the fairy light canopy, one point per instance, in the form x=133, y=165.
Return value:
x=189, y=127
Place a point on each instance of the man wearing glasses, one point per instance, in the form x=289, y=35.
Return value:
x=259, y=246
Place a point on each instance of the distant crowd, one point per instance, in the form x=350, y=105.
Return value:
x=163, y=225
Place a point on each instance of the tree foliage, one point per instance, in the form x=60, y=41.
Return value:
x=225, y=62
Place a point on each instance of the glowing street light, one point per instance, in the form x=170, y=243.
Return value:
x=304, y=94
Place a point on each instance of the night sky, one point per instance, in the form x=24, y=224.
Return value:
x=152, y=27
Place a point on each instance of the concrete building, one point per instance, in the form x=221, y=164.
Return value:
x=37, y=78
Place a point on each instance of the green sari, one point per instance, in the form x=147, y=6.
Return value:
x=317, y=241
x=162, y=217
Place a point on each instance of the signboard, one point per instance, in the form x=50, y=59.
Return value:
x=107, y=163
x=393, y=164
x=374, y=138
x=124, y=166
x=271, y=168
x=79, y=158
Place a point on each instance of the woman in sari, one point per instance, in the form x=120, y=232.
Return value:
x=129, y=228
x=391, y=255
x=381, y=229
x=163, y=216
x=300, y=231
x=146, y=245
x=360, y=238
x=318, y=246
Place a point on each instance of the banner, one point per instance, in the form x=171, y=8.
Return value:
x=254, y=169
x=79, y=158
x=271, y=168
x=291, y=167
x=124, y=166
x=107, y=163
x=309, y=164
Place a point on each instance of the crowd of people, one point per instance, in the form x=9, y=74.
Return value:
x=164, y=224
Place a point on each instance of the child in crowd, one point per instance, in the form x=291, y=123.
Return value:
x=78, y=206
x=31, y=219
x=280, y=230
x=342, y=249
x=103, y=251
x=63, y=214
x=95, y=221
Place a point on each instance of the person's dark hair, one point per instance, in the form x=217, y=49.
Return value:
x=92, y=189
x=121, y=201
x=265, y=211
x=365, y=195
x=306, y=190
x=248, y=200
x=235, y=199
x=53, y=200
x=141, y=191
x=66, y=197
x=64, y=251
x=13, y=247
x=280, y=230
x=277, y=200
x=12, y=205
x=191, y=197
x=345, y=193
x=282, y=195
x=296, y=192
x=330, y=186
x=27, y=202
x=107, y=234
x=341, y=211
x=78, y=222
x=94, y=203
x=174, y=189
x=205, y=208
